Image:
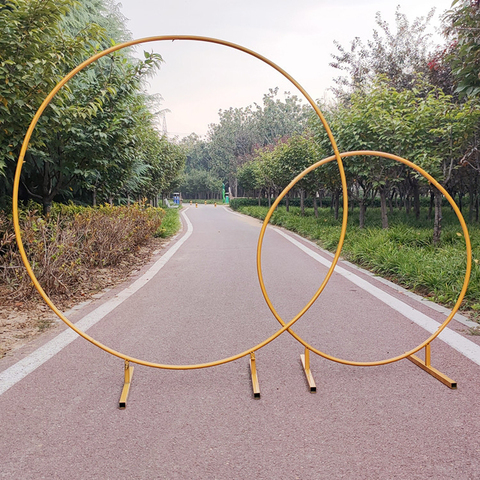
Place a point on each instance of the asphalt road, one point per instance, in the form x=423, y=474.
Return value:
x=58, y=398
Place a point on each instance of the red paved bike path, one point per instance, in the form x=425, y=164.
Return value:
x=394, y=421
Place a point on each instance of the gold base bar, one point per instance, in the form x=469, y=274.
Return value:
x=253, y=371
x=126, y=386
x=432, y=371
x=306, y=368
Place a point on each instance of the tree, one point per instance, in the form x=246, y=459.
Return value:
x=100, y=137
x=197, y=154
x=249, y=177
x=277, y=119
x=422, y=124
x=34, y=54
x=241, y=131
x=230, y=141
x=399, y=56
x=200, y=184
x=98, y=133
x=462, y=27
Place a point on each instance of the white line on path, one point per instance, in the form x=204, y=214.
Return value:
x=461, y=344
x=21, y=369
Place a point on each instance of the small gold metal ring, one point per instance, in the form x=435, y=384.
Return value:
x=310, y=303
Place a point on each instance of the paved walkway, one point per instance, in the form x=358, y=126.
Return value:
x=61, y=420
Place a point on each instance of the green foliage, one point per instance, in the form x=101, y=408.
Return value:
x=241, y=131
x=34, y=54
x=197, y=155
x=200, y=184
x=170, y=224
x=249, y=176
x=274, y=166
x=423, y=124
x=462, y=24
x=209, y=201
x=98, y=137
x=238, y=203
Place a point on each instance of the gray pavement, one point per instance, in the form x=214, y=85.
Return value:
x=391, y=422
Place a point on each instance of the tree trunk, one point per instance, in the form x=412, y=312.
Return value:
x=337, y=203
x=383, y=207
x=477, y=208
x=47, y=206
x=416, y=200
x=259, y=197
x=287, y=202
x=94, y=197
x=430, y=207
x=471, y=204
x=302, y=202
x=408, y=204
x=437, y=224
x=269, y=197
x=315, y=206
x=361, y=214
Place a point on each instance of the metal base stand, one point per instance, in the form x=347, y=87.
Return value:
x=425, y=365
x=253, y=371
x=126, y=386
x=306, y=368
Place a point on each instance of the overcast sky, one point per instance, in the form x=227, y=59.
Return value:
x=198, y=79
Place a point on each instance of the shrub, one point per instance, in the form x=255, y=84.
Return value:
x=72, y=240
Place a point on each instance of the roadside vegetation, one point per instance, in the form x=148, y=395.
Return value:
x=404, y=252
x=97, y=165
x=170, y=223
x=75, y=252
x=73, y=245
x=399, y=93
x=200, y=201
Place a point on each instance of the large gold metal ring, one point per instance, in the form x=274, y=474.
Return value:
x=310, y=303
x=21, y=158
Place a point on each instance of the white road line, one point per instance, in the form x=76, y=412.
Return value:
x=18, y=371
x=424, y=301
x=461, y=344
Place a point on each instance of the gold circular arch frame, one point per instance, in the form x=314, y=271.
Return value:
x=49, y=98
x=433, y=182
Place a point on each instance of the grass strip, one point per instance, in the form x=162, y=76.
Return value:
x=170, y=223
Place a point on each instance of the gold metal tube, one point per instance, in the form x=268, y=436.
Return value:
x=427, y=355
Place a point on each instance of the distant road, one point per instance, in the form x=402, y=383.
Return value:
x=199, y=301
